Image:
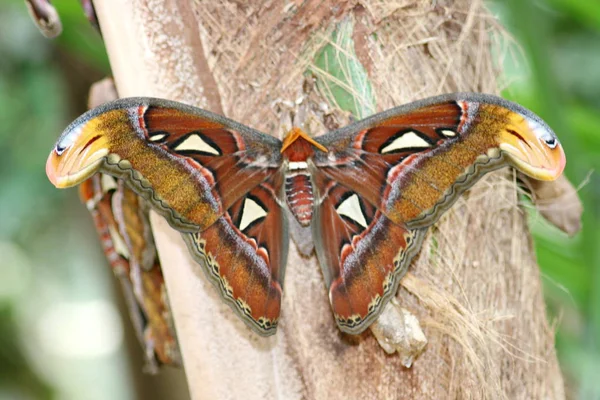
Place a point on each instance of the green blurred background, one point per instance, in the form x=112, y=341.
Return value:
x=62, y=334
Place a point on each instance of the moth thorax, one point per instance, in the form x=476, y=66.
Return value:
x=299, y=192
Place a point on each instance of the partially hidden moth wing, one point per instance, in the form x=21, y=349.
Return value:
x=123, y=225
x=369, y=191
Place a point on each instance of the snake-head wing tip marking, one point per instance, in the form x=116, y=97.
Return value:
x=531, y=146
x=78, y=153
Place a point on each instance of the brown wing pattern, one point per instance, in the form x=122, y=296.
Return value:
x=402, y=169
x=362, y=254
x=414, y=161
x=244, y=255
x=409, y=164
x=191, y=165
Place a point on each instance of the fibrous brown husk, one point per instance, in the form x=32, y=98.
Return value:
x=475, y=286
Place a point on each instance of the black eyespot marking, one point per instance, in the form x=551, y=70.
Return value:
x=551, y=142
x=60, y=149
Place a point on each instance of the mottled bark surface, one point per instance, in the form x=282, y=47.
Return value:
x=475, y=287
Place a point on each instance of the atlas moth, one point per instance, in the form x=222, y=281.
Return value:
x=368, y=191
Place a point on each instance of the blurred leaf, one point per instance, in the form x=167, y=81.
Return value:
x=584, y=11
x=15, y=371
x=585, y=121
x=340, y=75
x=578, y=52
x=568, y=275
x=79, y=37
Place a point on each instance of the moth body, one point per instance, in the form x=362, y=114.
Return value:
x=297, y=149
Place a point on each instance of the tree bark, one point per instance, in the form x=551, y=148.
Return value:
x=475, y=286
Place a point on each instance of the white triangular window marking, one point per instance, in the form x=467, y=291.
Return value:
x=251, y=212
x=448, y=133
x=351, y=208
x=195, y=143
x=408, y=140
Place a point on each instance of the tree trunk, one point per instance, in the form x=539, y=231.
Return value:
x=475, y=286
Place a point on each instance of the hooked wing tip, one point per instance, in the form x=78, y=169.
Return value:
x=532, y=147
x=63, y=177
x=77, y=155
